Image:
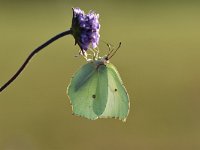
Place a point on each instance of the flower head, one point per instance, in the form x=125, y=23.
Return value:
x=85, y=28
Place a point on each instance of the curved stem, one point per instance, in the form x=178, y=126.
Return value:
x=32, y=54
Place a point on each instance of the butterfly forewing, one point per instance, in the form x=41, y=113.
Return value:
x=81, y=91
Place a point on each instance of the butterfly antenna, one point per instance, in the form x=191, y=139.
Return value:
x=110, y=46
x=110, y=50
x=109, y=57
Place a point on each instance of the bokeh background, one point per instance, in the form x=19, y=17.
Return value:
x=159, y=63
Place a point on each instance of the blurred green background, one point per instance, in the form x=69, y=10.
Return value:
x=158, y=61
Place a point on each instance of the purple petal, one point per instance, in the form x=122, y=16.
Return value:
x=85, y=28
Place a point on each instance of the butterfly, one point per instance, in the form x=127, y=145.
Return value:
x=97, y=91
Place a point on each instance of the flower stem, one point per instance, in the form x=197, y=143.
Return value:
x=32, y=54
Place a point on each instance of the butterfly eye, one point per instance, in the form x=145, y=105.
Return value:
x=115, y=90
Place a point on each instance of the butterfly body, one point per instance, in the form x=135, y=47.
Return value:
x=96, y=91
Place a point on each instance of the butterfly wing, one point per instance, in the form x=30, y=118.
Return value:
x=86, y=91
x=118, y=100
x=81, y=88
x=101, y=99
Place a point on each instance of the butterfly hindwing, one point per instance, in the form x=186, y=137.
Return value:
x=102, y=90
x=118, y=100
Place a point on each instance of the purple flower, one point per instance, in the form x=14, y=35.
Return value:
x=85, y=28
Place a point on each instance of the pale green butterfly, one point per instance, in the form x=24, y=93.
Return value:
x=97, y=91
